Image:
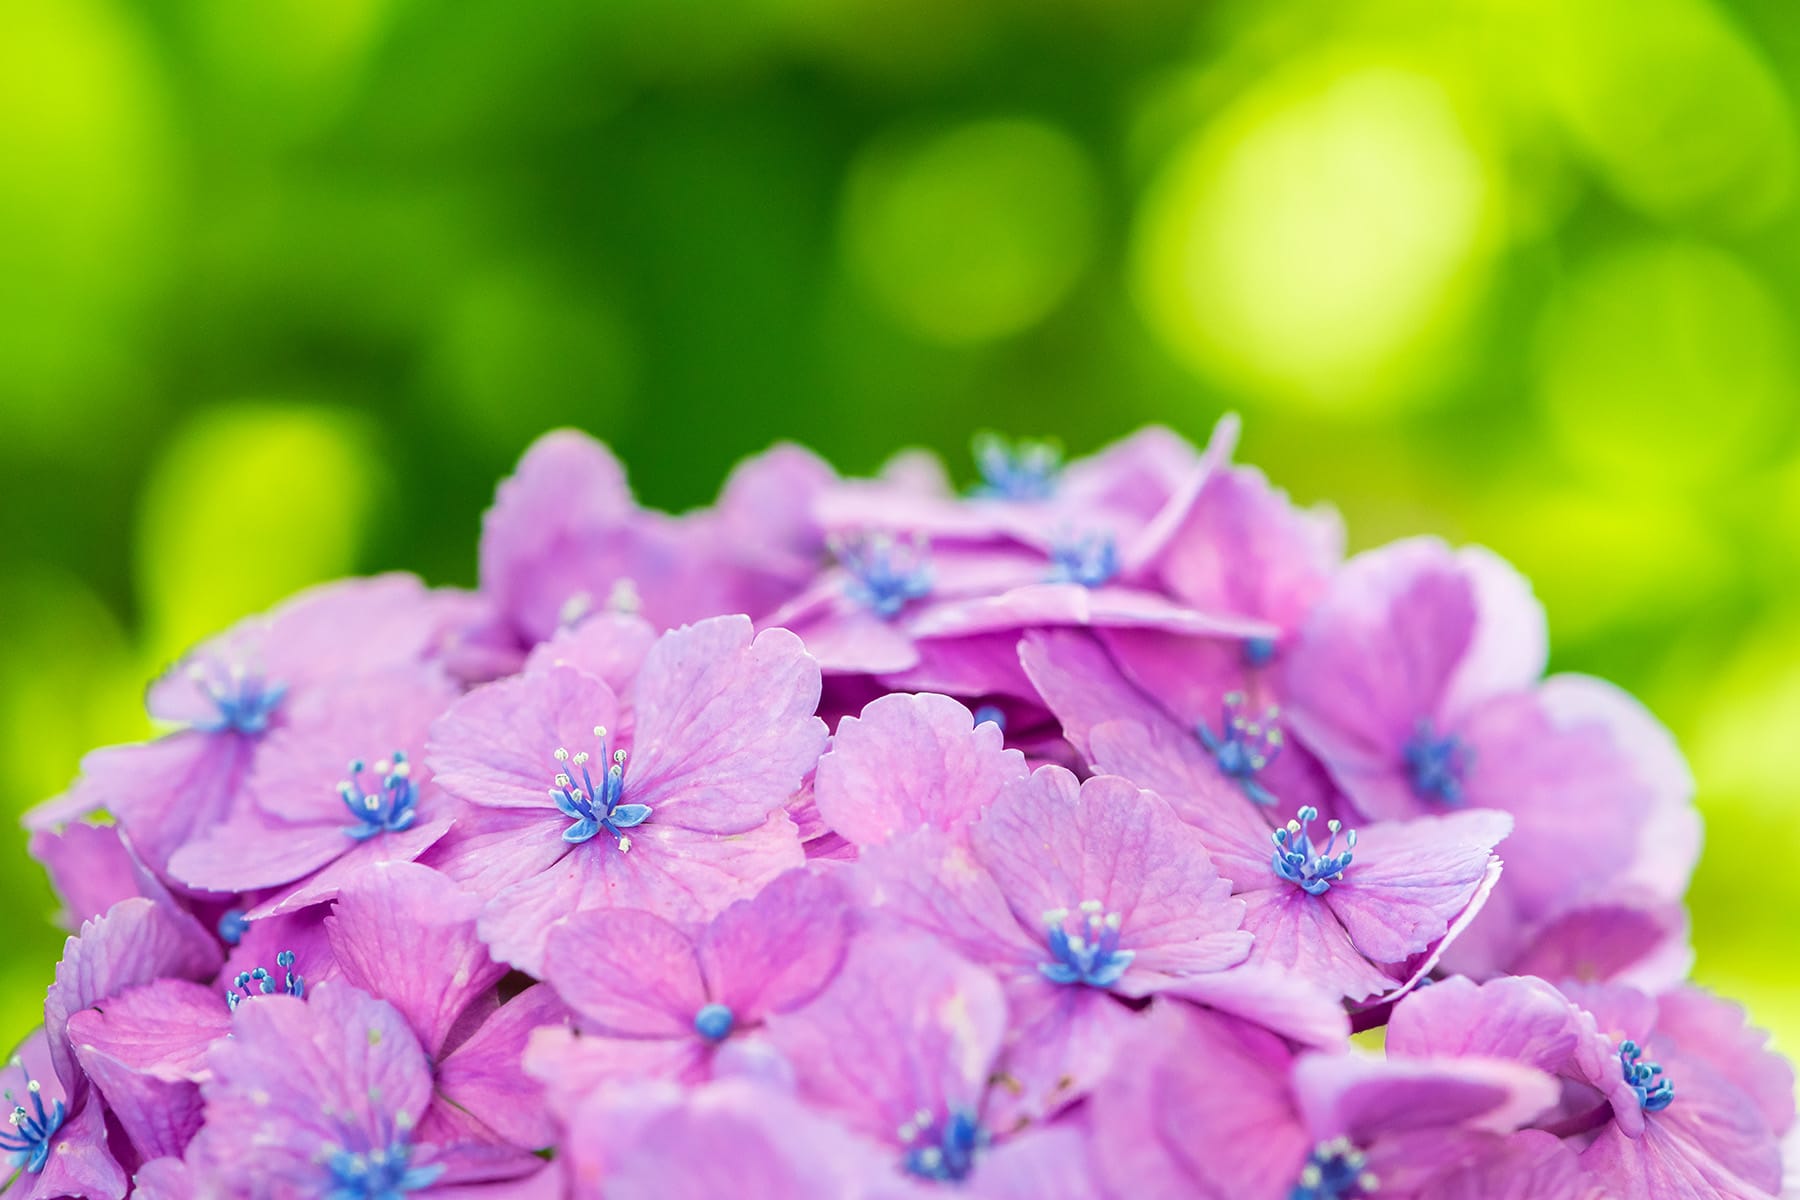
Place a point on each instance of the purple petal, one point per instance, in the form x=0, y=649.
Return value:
x=1053, y=844
x=610, y=646
x=1062, y=1042
x=166, y=792
x=571, y=1067
x=1710, y=1142
x=372, y=854
x=725, y=725
x=160, y=1030
x=1192, y=1083
x=1644, y=944
x=1365, y=1098
x=255, y=851
x=406, y=934
x=911, y=761
x=1275, y=999
x=673, y=872
x=1525, y=1020
x=735, y=1140
x=1243, y=548
x=1530, y=1165
x=300, y=1078
x=565, y=537
x=776, y=950
x=300, y=764
x=906, y=1026
x=1512, y=637
x=1411, y=879
x=496, y=747
x=1081, y=684
x=1053, y=605
x=926, y=881
x=485, y=1076
x=1379, y=654
x=1050, y=1163
x=1704, y=1026
x=1298, y=932
x=136, y=941
x=626, y=973
x=89, y=866
x=80, y=1163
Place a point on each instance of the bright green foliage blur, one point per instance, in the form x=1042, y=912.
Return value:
x=286, y=286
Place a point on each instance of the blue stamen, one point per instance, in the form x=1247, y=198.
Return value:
x=387, y=809
x=1090, y=560
x=713, y=1022
x=232, y=926
x=1022, y=470
x=27, y=1143
x=377, y=1174
x=244, y=699
x=1654, y=1093
x=1259, y=651
x=1245, y=747
x=944, y=1152
x=1336, y=1170
x=1089, y=956
x=1437, y=765
x=885, y=572
x=258, y=982
x=990, y=714
x=1307, y=867
x=593, y=807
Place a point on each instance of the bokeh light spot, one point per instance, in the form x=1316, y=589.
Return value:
x=246, y=505
x=1309, y=243
x=1680, y=115
x=85, y=186
x=972, y=233
x=517, y=353
x=1665, y=362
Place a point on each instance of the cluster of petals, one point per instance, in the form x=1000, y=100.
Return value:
x=1097, y=830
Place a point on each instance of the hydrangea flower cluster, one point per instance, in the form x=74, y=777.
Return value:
x=1101, y=831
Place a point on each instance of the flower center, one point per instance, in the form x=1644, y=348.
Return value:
x=593, y=807
x=1437, y=764
x=1090, y=559
x=1244, y=747
x=377, y=1174
x=233, y=924
x=258, y=982
x=388, y=807
x=27, y=1143
x=885, y=572
x=1090, y=954
x=942, y=1150
x=1025, y=469
x=1259, y=651
x=713, y=1022
x=245, y=700
x=1654, y=1092
x=1336, y=1170
x=1310, y=868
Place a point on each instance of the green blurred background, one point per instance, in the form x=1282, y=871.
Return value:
x=286, y=285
